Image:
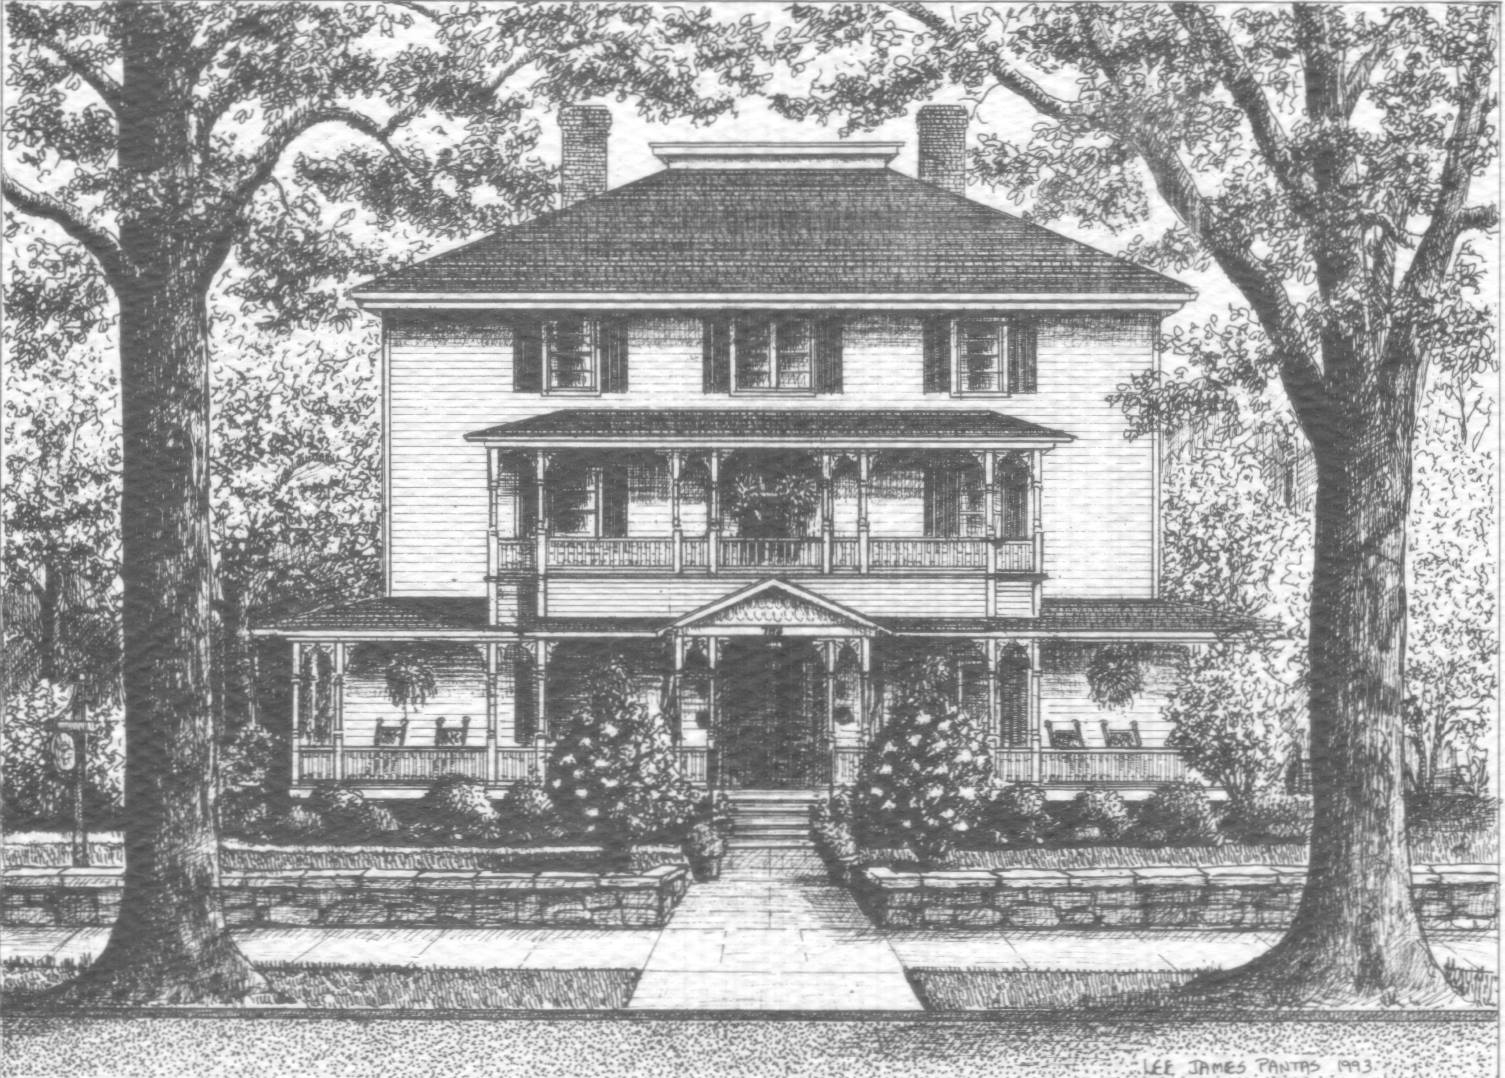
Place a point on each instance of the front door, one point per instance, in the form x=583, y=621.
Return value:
x=770, y=715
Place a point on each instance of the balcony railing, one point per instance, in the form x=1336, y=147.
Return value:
x=806, y=554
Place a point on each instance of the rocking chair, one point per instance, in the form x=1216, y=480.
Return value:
x=446, y=736
x=1065, y=735
x=1122, y=737
x=391, y=734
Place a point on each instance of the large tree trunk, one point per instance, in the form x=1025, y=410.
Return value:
x=1355, y=939
x=170, y=944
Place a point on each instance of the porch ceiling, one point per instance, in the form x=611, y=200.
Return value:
x=804, y=428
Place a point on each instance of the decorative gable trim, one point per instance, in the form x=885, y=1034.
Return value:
x=775, y=607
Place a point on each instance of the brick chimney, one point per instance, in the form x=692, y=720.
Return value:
x=943, y=146
x=582, y=164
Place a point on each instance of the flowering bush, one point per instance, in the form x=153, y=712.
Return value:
x=527, y=813
x=922, y=780
x=614, y=772
x=346, y=815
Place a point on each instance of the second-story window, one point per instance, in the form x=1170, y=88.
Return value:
x=570, y=354
x=769, y=354
x=979, y=356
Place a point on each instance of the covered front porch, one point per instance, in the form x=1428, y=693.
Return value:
x=772, y=688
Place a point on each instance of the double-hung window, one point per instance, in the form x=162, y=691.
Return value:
x=766, y=354
x=570, y=354
x=979, y=356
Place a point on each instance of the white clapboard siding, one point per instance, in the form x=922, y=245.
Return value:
x=624, y=597
x=1098, y=493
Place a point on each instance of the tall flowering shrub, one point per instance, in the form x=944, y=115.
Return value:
x=924, y=777
x=614, y=772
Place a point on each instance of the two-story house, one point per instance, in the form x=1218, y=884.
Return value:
x=765, y=423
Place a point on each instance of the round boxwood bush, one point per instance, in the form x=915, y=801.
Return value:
x=457, y=808
x=1101, y=809
x=1271, y=817
x=528, y=814
x=1178, y=814
x=298, y=824
x=1016, y=815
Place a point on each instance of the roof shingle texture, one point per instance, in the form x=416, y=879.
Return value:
x=812, y=425
x=779, y=231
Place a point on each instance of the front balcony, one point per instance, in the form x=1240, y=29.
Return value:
x=712, y=553
x=786, y=511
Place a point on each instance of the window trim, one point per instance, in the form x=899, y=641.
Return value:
x=1002, y=331
x=1016, y=341
x=548, y=328
x=773, y=389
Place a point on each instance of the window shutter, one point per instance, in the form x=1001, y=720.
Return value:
x=942, y=502
x=1022, y=356
x=526, y=723
x=613, y=338
x=716, y=346
x=828, y=355
x=527, y=357
x=937, y=347
x=614, y=501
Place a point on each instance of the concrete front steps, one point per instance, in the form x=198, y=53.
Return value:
x=771, y=819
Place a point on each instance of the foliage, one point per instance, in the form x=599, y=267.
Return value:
x=704, y=842
x=298, y=824
x=716, y=808
x=1016, y=815
x=1236, y=720
x=614, y=772
x=1101, y=809
x=923, y=777
x=410, y=681
x=1177, y=814
x=772, y=497
x=1270, y=817
x=1115, y=675
x=527, y=813
x=31, y=790
x=457, y=808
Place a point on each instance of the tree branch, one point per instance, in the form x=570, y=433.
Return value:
x=1205, y=27
x=1009, y=78
x=27, y=24
x=1357, y=79
x=97, y=241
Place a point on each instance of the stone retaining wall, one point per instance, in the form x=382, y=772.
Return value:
x=91, y=896
x=1238, y=896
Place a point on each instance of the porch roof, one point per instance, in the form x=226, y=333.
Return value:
x=738, y=427
x=464, y=618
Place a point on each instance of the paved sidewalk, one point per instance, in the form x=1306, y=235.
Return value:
x=772, y=938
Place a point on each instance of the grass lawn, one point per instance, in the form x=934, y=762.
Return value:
x=398, y=987
x=963, y=989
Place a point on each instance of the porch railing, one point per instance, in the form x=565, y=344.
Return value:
x=611, y=553
x=763, y=553
x=1016, y=557
x=928, y=553
x=693, y=763
x=1125, y=767
x=846, y=760
x=404, y=765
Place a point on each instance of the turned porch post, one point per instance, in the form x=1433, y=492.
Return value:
x=713, y=706
x=677, y=731
x=337, y=710
x=676, y=470
x=493, y=493
x=1036, y=719
x=541, y=651
x=864, y=485
x=827, y=515
x=541, y=528
x=865, y=687
x=990, y=507
x=831, y=651
x=995, y=713
x=1037, y=527
x=493, y=711
x=713, y=514
x=300, y=731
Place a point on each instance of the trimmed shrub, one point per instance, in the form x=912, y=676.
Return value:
x=1177, y=814
x=528, y=814
x=1016, y=815
x=923, y=778
x=298, y=824
x=1101, y=809
x=704, y=842
x=457, y=809
x=1271, y=817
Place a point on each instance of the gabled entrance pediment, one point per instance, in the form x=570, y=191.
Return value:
x=775, y=607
